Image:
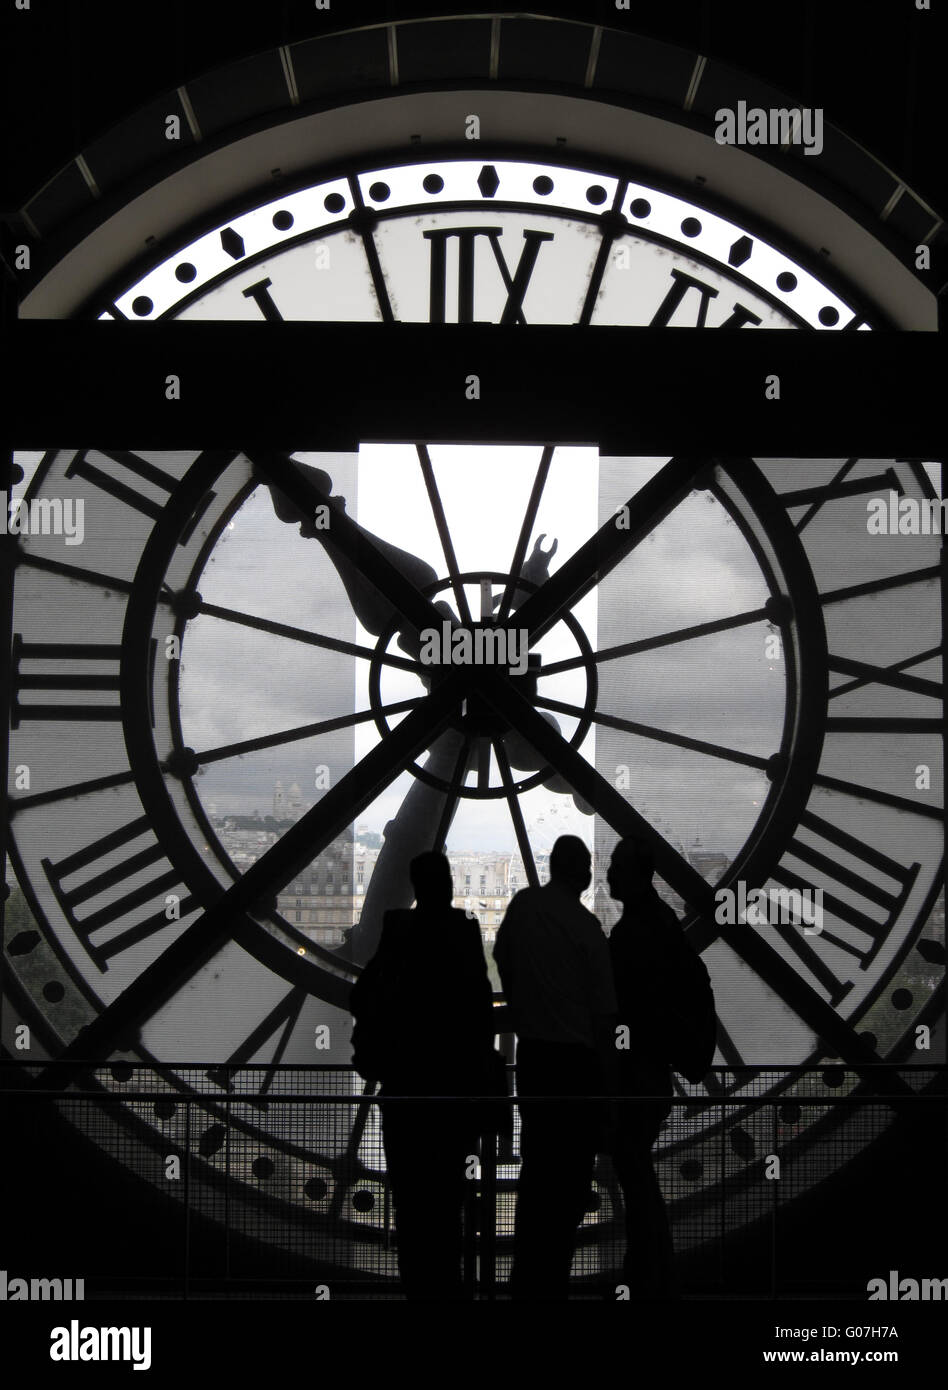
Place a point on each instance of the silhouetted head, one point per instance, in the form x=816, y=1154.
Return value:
x=431, y=879
x=571, y=864
x=630, y=870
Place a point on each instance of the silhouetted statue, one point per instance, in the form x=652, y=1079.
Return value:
x=424, y=1027
x=666, y=1003
x=553, y=959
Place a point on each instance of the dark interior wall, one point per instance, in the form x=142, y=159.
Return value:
x=73, y=70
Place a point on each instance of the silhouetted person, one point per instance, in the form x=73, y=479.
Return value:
x=553, y=960
x=665, y=1001
x=424, y=1027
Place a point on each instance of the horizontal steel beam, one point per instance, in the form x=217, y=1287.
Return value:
x=331, y=385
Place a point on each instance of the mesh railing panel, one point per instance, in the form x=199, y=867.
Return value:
x=273, y=1180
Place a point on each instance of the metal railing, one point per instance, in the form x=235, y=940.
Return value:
x=273, y=1179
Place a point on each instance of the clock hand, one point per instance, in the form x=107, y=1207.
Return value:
x=382, y=581
x=553, y=748
x=767, y=963
x=444, y=533
x=296, y=848
x=534, y=571
x=345, y=542
x=610, y=545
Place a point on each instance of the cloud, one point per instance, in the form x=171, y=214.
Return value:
x=239, y=683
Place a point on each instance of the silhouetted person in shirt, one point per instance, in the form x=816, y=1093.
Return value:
x=553, y=959
x=665, y=1002
x=428, y=990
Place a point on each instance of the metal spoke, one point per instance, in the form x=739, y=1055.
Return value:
x=483, y=764
x=526, y=531
x=199, y=942
x=593, y=787
x=447, y=545
x=452, y=798
x=99, y=784
x=712, y=750
x=516, y=815
x=768, y=963
x=311, y=639
x=100, y=581
x=901, y=803
x=590, y=564
x=664, y=639
x=325, y=726
x=878, y=586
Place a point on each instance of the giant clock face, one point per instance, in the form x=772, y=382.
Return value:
x=724, y=656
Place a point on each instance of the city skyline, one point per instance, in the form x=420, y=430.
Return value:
x=215, y=809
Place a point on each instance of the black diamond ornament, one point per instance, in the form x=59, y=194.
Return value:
x=488, y=181
x=233, y=243
x=740, y=251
